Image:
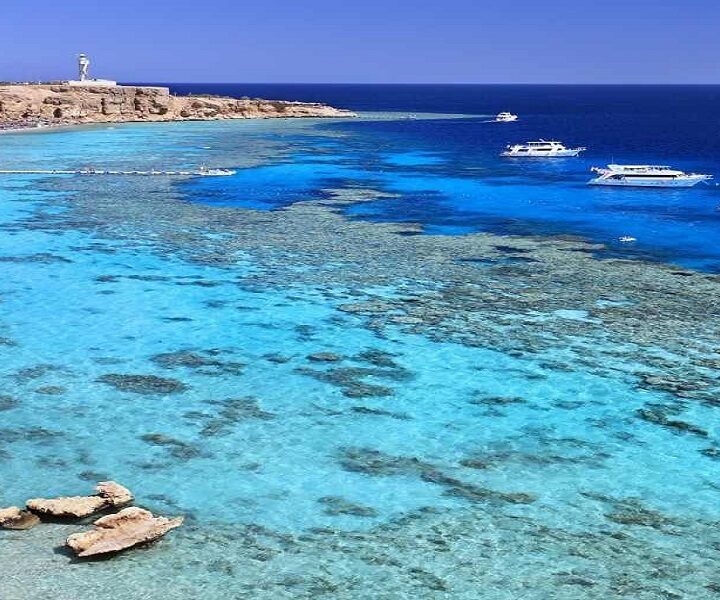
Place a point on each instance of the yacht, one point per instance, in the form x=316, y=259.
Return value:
x=506, y=117
x=541, y=149
x=646, y=176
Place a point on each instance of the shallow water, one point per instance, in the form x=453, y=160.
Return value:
x=499, y=412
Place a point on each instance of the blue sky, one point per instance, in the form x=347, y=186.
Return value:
x=403, y=41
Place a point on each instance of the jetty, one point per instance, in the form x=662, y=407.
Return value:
x=202, y=172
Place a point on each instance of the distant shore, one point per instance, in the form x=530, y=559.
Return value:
x=39, y=107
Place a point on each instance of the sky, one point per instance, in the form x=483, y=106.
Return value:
x=372, y=41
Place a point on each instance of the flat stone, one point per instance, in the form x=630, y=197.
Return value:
x=15, y=518
x=67, y=507
x=128, y=528
x=109, y=495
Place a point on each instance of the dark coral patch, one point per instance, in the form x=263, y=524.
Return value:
x=232, y=411
x=143, y=384
x=205, y=362
x=335, y=505
x=176, y=448
x=8, y=403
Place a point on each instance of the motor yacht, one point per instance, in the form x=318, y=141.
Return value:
x=646, y=176
x=506, y=117
x=541, y=149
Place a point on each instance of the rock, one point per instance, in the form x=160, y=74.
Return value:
x=14, y=518
x=128, y=528
x=28, y=105
x=67, y=507
x=114, y=493
x=109, y=495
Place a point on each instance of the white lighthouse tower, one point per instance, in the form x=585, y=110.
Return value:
x=84, y=74
x=83, y=67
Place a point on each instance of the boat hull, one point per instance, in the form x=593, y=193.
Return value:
x=559, y=154
x=685, y=182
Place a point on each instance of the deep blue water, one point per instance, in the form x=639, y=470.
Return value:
x=466, y=186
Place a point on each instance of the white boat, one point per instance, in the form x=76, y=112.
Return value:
x=506, y=117
x=646, y=176
x=205, y=172
x=541, y=149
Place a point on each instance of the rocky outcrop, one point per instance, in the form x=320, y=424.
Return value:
x=28, y=105
x=109, y=495
x=14, y=518
x=128, y=528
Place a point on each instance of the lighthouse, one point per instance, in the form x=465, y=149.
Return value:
x=83, y=67
x=84, y=74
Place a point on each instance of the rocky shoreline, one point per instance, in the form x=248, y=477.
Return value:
x=40, y=106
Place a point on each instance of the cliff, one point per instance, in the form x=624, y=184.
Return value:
x=29, y=105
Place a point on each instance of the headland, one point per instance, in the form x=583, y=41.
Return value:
x=24, y=106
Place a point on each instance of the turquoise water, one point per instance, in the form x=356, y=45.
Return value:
x=162, y=333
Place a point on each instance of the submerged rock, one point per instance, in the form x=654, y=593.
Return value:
x=324, y=357
x=15, y=518
x=711, y=452
x=51, y=390
x=379, y=464
x=109, y=495
x=364, y=410
x=176, y=448
x=195, y=360
x=498, y=400
x=367, y=307
x=143, y=384
x=335, y=505
x=128, y=528
x=631, y=512
x=8, y=403
x=658, y=416
x=232, y=412
x=378, y=358
x=351, y=379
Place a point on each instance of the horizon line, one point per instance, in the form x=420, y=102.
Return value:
x=416, y=83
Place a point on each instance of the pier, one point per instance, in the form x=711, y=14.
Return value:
x=202, y=172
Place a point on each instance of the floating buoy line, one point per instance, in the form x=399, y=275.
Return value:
x=201, y=172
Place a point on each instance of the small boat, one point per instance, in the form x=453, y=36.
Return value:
x=542, y=149
x=505, y=117
x=646, y=176
x=627, y=239
x=205, y=172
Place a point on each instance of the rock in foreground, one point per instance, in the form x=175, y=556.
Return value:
x=109, y=495
x=14, y=518
x=128, y=528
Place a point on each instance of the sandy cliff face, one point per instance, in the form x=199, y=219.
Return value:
x=64, y=104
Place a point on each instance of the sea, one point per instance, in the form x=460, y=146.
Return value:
x=379, y=361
